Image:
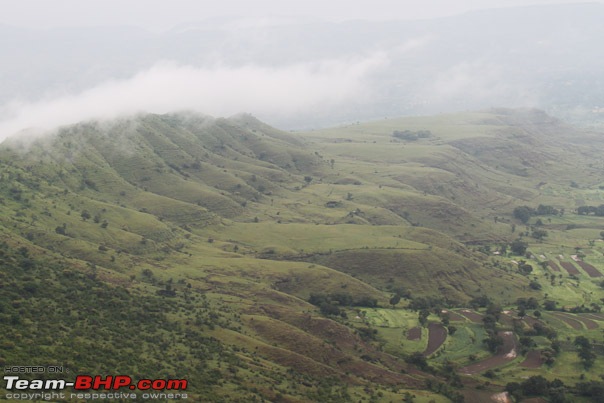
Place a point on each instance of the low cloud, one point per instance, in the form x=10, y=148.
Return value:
x=270, y=93
x=478, y=84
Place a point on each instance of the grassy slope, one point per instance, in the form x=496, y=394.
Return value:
x=250, y=221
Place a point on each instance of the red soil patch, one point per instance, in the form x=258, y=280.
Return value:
x=575, y=324
x=473, y=316
x=594, y=316
x=532, y=360
x=589, y=269
x=506, y=353
x=553, y=265
x=568, y=266
x=414, y=334
x=454, y=316
x=590, y=324
x=529, y=320
x=437, y=336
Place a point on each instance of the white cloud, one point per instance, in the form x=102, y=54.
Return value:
x=220, y=91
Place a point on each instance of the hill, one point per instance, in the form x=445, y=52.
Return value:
x=253, y=262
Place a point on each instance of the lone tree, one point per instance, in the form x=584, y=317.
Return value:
x=423, y=317
x=395, y=300
x=518, y=247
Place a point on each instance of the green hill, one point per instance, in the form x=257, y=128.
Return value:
x=246, y=259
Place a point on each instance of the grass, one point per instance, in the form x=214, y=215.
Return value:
x=243, y=223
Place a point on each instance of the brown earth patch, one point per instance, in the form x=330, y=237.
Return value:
x=473, y=316
x=532, y=360
x=570, y=268
x=553, y=265
x=414, y=334
x=506, y=353
x=594, y=316
x=453, y=316
x=574, y=323
x=529, y=320
x=589, y=323
x=436, y=337
x=589, y=269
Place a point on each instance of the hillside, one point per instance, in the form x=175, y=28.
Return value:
x=256, y=263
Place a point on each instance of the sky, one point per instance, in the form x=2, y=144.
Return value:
x=74, y=83
x=160, y=15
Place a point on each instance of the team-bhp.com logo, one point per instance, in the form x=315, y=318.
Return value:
x=94, y=387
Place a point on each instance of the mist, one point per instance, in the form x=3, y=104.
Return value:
x=304, y=73
x=271, y=93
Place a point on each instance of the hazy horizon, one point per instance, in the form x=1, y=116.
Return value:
x=297, y=65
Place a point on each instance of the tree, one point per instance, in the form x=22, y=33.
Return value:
x=523, y=213
x=585, y=352
x=423, y=316
x=395, y=300
x=493, y=342
x=85, y=215
x=539, y=234
x=525, y=268
x=549, y=305
x=418, y=359
x=535, y=285
x=518, y=247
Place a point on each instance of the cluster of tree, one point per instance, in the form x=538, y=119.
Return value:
x=493, y=340
x=524, y=304
x=518, y=247
x=430, y=303
x=524, y=213
x=524, y=268
x=555, y=391
x=480, y=302
x=588, y=210
x=539, y=329
x=411, y=135
x=585, y=351
x=136, y=330
x=593, y=390
x=329, y=303
x=538, y=386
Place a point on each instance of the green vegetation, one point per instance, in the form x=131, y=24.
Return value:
x=360, y=263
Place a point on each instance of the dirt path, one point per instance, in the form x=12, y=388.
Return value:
x=436, y=337
x=506, y=354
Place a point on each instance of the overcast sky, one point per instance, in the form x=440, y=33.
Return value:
x=291, y=76
x=160, y=15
